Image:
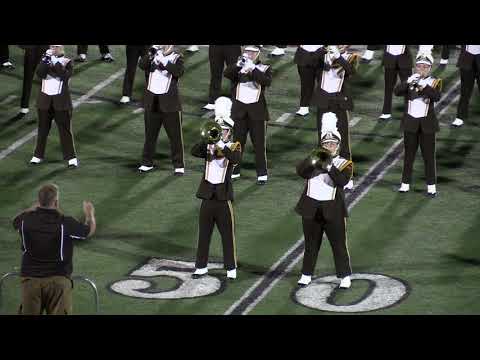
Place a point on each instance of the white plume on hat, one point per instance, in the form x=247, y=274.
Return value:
x=329, y=125
x=425, y=57
x=223, y=110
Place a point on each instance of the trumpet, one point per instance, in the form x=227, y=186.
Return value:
x=211, y=132
x=320, y=158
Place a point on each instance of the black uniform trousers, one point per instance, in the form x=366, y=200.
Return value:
x=172, y=121
x=83, y=49
x=390, y=82
x=467, y=78
x=219, y=212
x=258, y=133
x=133, y=52
x=30, y=61
x=63, y=119
x=445, y=52
x=411, y=141
x=4, y=54
x=307, y=84
x=335, y=230
x=218, y=56
x=343, y=117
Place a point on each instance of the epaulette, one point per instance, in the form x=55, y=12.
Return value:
x=236, y=146
x=438, y=84
x=348, y=163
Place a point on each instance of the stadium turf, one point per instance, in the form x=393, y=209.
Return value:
x=429, y=244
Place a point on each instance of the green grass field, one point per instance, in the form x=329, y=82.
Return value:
x=430, y=245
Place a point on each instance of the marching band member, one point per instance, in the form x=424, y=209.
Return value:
x=335, y=66
x=133, y=52
x=164, y=67
x=322, y=204
x=445, y=55
x=54, y=102
x=469, y=65
x=218, y=56
x=193, y=48
x=32, y=57
x=279, y=50
x=306, y=58
x=419, y=122
x=397, y=61
x=216, y=188
x=5, y=62
x=249, y=109
x=104, y=52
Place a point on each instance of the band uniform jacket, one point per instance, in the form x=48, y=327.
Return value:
x=323, y=99
x=420, y=111
x=257, y=110
x=402, y=61
x=170, y=101
x=60, y=75
x=467, y=58
x=340, y=174
x=224, y=189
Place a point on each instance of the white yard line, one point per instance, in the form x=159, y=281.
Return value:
x=283, y=118
x=82, y=99
x=354, y=121
x=8, y=99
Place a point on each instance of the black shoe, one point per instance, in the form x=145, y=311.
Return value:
x=261, y=182
x=365, y=61
x=431, y=195
x=107, y=58
x=80, y=60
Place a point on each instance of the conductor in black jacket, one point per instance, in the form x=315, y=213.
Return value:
x=420, y=123
x=216, y=190
x=163, y=67
x=469, y=66
x=249, y=110
x=54, y=102
x=322, y=204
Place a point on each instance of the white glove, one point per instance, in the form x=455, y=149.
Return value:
x=250, y=65
x=49, y=52
x=211, y=148
x=329, y=167
x=413, y=78
x=335, y=54
x=221, y=144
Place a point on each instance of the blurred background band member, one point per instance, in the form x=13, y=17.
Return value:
x=369, y=53
x=332, y=94
x=5, y=62
x=397, y=62
x=216, y=188
x=249, y=110
x=164, y=67
x=420, y=123
x=445, y=55
x=47, y=244
x=218, y=56
x=133, y=53
x=469, y=65
x=32, y=56
x=306, y=58
x=322, y=204
x=279, y=50
x=54, y=102
x=82, y=51
x=193, y=48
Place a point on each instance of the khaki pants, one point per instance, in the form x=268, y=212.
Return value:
x=52, y=294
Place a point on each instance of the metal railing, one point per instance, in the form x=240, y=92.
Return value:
x=74, y=278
